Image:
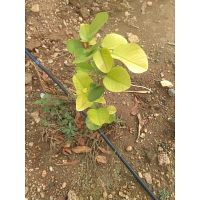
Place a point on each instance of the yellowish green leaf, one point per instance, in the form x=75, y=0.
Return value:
x=117, y=80
x=113, y=40
x=82, y=102
x=112, y=110
x=133, y=56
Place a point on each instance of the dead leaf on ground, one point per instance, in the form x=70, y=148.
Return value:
x=66, y=150
x=104, y=150
x=58, y=139
x=79, y=121
x=68, y=163
x=35, y=116
x=101, y=159
x=135, y=108
x=81, y=149
x=141, y=124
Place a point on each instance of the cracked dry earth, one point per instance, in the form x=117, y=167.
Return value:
x=52, y=175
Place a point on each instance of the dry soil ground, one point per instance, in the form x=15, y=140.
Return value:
x=48, y=24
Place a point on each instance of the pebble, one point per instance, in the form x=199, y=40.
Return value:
x=133, y=38
x=142, y=135
x=171, y=92
x=50, y=168
x=149, y=3
x=127, y=14
x=140, y=174
x=30, y=144
x=35, y=8
x=71, y=195
x=162, y=75
x=105, y=194
x=64, y=185
x=166, y=83
x=148, y=178
x=42, y=195
x=28, y=78
x=84, y=12
x=50, y=61
x=44, y=173
x=110, y=196
x=129, y=148
x=160, y=149
x=163, y=159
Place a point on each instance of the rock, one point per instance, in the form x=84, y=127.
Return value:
x=35, y=116
x=129, y=148
x=166, y=83
x=44, y=173
x=140, y=174
x=50, y=61
x=50, y=168
x=101, y=159
x=64, y=185
x=121, y=194
x=105, y=194
x=163, y=159
x=127, y=14
x=149, y=3
x=160, y=149
x=171, y=92
x=42, y=195
x=30, y=144
x=162, y=74
x=85, y=12
x=110, y=196
x=28, y=78
x=35, y=8
x=71, y=195
x=142, y=135
x=133, y=38
x=148, y=178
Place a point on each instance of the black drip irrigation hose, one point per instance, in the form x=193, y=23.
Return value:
x=101, y=132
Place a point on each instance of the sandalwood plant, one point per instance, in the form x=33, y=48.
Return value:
x=97, y=71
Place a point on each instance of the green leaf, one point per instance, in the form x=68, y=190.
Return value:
x=133, y=56
x=91, y=126
x=82, y=102
x=97, y=23
x=75, y=47
x=103, y=60
x=87, y=32
x=100, y=100
x=117, y=80
x=84, y=32
x=113, y=40
x=96, y=91
x=84, y=67
x=98, y=116
x=112, y=110
x=81, y=82
x=112, y=118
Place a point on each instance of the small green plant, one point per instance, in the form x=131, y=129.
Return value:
x=163, y=194
x=56, y=112
x=96, y=70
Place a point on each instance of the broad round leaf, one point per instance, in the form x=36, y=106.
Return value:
x=81, y=81
x=75, y=47
x=82, y=102
x=84, y=67
x=117, y=80
x=113, y=40
x=133, y=56
x=111, y=110
x=90, y=125
x=95, y=92
x=103, y=60
x=98, y=116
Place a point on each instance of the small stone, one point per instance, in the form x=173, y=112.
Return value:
x=42, y=95
x=162, y=75
x=105, y=194
x=50, y=168
x=42, y=195
x=80, y=19
x=110, y=196
x=149, y=3
x=171, y=92
x=64, y=185
x=35, y=8
x=142, y=135
x=30, y=144
x=127, y=14
x=50, y=198
x=84, y=12
x=163, y=159
x=121, y=194
x=133, y=38
x=160, y=149
x=50, y=61
x=28, y=78
x=166, y=83
x=156, y=114
x=140, y=174
x=35, y=116
x=124, y=102
x=145, y=130
x=44, y=173
x=148, y=178
x=129, y=148
x=71, y=195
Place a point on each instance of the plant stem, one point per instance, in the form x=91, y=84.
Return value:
x=139, y=86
